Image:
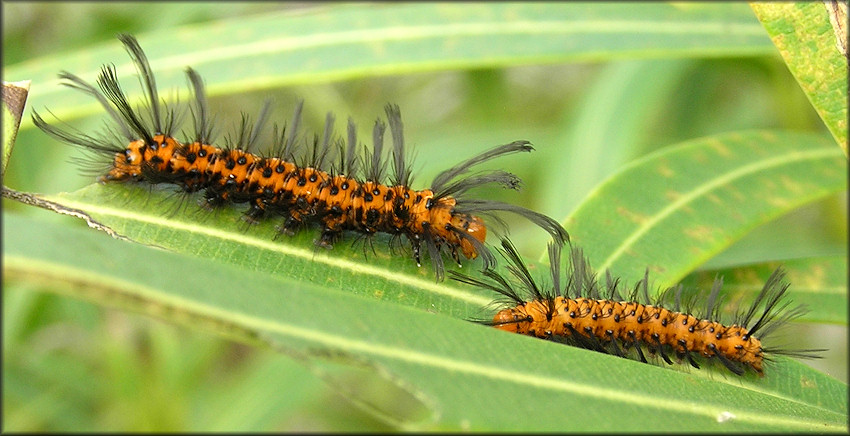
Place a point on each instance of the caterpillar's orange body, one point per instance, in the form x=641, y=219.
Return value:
x=353, y=194
x=580, y=315
x=631, y=322
x=370, y=207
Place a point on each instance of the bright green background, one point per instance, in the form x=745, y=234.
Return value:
x=599, y=89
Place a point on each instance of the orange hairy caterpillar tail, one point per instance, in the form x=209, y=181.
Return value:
x=330, y=181
x=577, y=312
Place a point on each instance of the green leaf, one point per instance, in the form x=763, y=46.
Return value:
x=456, y=374
x=674, y=209
x=818, y=283
x=159, y=219
x=339, y=42
x=812, y=48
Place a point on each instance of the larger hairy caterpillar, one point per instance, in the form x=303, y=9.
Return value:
x=299, y=180
x=581, y=315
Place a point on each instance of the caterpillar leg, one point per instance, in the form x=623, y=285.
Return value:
x=659, y=347
x=291, y=225
x=728, y=363
x=455, y=254
x=329, y=237
x=689, y=356
x=415, y=245
x=213, y=199
x=254, y=214
x=637, y=346
x=616, y=347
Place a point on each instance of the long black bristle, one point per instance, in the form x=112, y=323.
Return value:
x=146, y=78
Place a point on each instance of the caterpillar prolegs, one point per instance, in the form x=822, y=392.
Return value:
x=331, y=182
x=578, y=313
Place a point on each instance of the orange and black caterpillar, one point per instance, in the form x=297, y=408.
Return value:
x=349, y=196
x=579, y=315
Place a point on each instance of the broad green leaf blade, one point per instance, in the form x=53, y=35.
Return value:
x=459, y=371
x=818, y=283
x=367, y=267
x=339, y=42
x=812, y=49
x=674, y=209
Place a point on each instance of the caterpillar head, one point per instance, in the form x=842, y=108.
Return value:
x=472, y=226
x=737, y=344
x=126, y=164
x=456, y=228
x=513, y=320
x=535, y=318
x=140, y=157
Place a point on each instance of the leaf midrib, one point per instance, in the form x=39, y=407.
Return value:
x=360, y=268
x=414, y=32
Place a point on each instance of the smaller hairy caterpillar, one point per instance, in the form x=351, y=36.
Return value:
x=579, y=314
x=325, y=182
